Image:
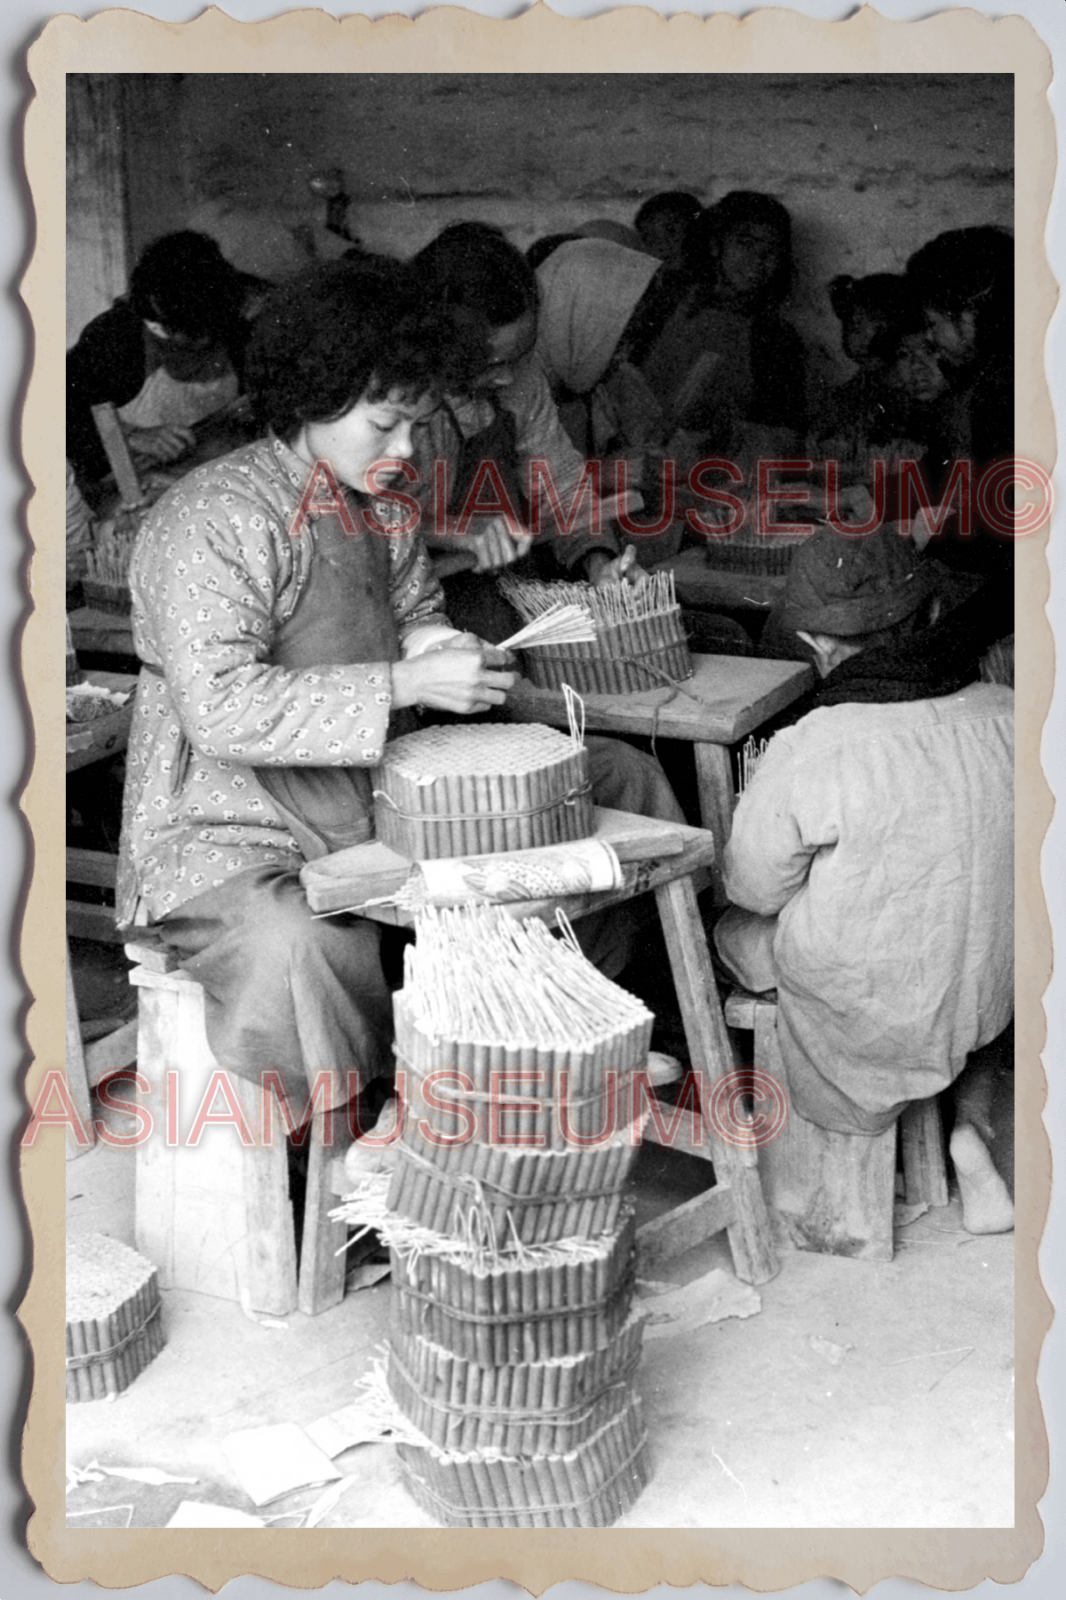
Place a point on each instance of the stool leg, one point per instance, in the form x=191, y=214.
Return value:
x=322, y=1269
x=925, y=1175
x=834, y=1192
x=750, y=1235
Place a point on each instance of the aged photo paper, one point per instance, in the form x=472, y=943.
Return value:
x=231, y=130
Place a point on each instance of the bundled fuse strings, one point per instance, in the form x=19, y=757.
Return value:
x=481, y=974
x=607, y=606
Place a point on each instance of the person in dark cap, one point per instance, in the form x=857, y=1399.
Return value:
x=167, y=355
x=871, y=862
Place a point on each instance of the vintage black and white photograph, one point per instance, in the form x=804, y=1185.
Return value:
x=540, y=800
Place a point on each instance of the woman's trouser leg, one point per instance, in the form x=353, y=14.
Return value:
x=285, y=991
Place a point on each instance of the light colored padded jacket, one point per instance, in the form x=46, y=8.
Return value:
x=881, y=836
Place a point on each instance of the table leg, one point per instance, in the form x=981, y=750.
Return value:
x=750, y=1233
x=714, y=781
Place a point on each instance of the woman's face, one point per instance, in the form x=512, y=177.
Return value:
x=952, y=336
x=751, y=255
x=916, y=373
x=372, y=431
x=508, y=348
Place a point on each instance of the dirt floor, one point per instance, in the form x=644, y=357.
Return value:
x=859, y=1395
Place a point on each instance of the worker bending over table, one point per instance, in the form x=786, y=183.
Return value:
x=281, y=652
x=871, y=865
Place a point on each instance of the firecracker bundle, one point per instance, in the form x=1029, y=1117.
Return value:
x=639, y=640
x=113, y=1307
x=480, y=788
x=513, y=1345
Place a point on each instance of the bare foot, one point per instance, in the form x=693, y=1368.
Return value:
x=986, y=1205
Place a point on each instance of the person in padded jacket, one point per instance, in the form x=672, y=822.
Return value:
x=871, y=866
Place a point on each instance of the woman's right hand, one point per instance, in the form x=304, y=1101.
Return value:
x=458, y=680
x=165, y=443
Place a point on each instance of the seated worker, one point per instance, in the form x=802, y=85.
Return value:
x=284, y=640
x=871, y=864
x=664, y=223
x=964, y=283
x=728, y=360
x=507, y=416
x=167, y=355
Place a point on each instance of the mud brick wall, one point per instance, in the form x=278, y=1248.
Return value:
x=869, y=167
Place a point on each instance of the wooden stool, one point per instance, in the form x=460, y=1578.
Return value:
x=835, y=1192
x=216, y=1217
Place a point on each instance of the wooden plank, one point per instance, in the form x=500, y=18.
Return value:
x=683, y=1228
x=101, y=633
x=365, y=871
x=118, y=454
x=92, y=922
x=750, y=1235
x=724, y=700
x=834, y=1192
x=152, y=954
x=640, y=878
x=98, y=867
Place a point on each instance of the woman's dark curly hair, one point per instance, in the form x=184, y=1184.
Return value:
x=475, y=266
x=352, y=330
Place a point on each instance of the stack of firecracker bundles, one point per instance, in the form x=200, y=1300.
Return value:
x=513, y=1344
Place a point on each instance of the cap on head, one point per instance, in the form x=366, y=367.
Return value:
x=847, y=587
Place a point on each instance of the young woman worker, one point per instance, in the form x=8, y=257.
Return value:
x=278, y=659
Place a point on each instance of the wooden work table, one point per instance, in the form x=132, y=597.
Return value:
x=726, y=698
